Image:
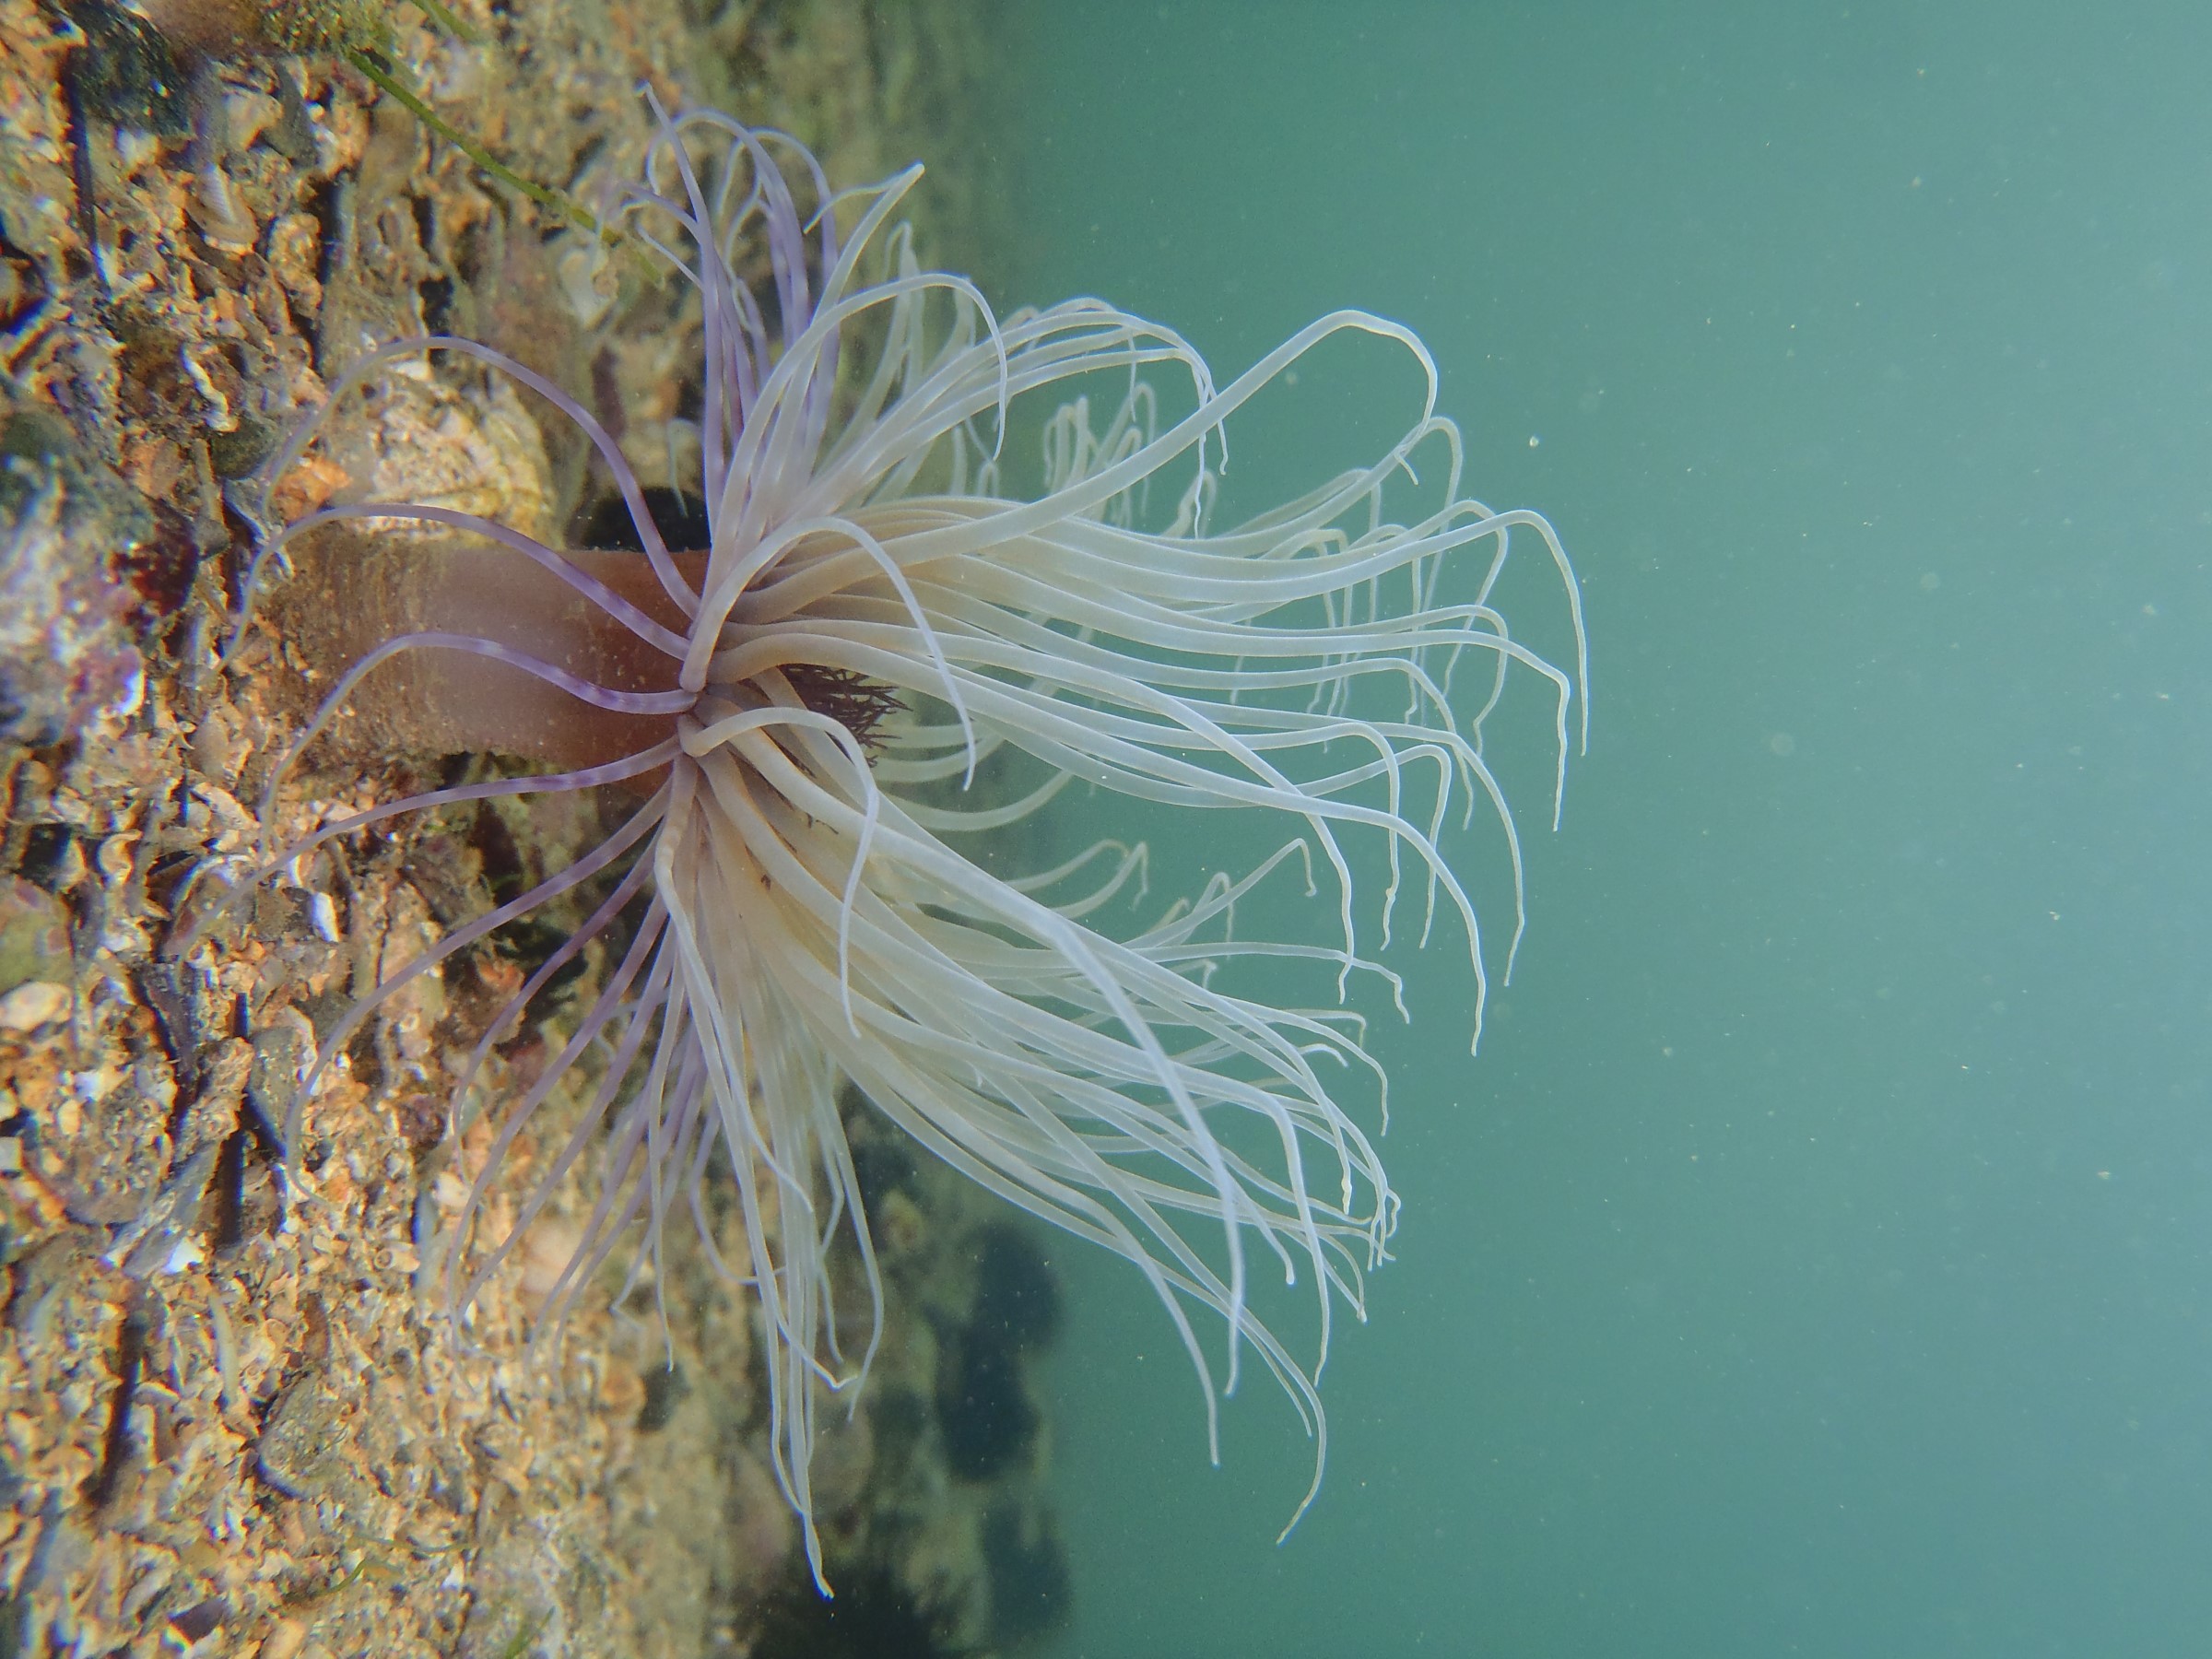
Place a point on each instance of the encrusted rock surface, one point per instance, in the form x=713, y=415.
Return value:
x=234, y=1415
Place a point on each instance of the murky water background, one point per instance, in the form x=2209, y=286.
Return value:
x=1815, y=1261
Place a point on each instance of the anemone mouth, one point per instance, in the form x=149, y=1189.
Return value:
x=904, y=639
x=845, y=695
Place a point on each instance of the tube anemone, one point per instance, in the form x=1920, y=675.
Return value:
x=887, y=654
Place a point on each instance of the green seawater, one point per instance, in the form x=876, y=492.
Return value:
x=1815, y=1260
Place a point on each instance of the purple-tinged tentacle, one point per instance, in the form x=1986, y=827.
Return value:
x=625, y=890
x=604, y=1008
x=584, y=690
x=649, y=533
x=589, y=777
x=583, y=870
x=664, y=639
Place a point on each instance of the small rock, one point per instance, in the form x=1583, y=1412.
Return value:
x=29, y=1007
x=303, y=1446
x=34, y=935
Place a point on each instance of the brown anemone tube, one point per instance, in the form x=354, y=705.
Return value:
x=353, y=591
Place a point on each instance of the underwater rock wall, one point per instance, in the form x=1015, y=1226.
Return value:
x=233, y=1415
